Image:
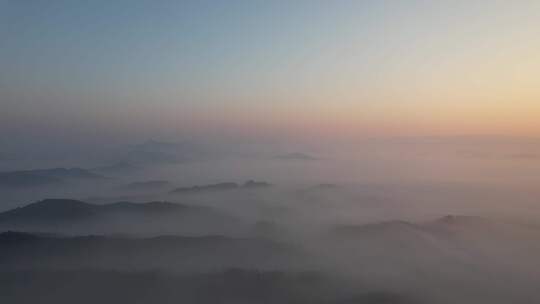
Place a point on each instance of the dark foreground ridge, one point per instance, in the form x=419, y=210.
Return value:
x=231, y=286
x=26, y=251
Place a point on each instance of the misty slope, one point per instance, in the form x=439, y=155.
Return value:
x=459, y=238
x=449, y=229
x=463, y=259
x=168, y=253
x=153, y=218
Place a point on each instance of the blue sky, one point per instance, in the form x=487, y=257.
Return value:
x=316, y=67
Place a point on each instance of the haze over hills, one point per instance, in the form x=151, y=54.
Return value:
x=73, y=216
x=386, y=254
x=269, y=152
x=288, y=229
x=44, y=177
x=469, y=247
x=250, y=184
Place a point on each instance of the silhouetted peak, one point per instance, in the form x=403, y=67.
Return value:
x=51, y=209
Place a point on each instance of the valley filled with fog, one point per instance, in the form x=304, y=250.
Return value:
x=405, y=220
x=269, y=152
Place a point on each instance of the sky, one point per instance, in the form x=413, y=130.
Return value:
x=268, y=69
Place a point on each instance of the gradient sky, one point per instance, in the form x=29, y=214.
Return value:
x=269, y=68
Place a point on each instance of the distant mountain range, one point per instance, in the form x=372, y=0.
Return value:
x=445, y=231
x=445, y=225
x=152, y=218
x=69, y=209
x=221, y=187
x=44, y=177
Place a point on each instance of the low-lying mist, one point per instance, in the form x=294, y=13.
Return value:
x=396, y=221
